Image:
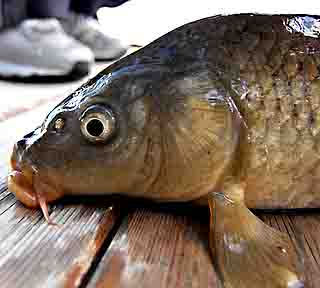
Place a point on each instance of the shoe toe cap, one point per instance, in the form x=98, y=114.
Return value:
x=79, y=53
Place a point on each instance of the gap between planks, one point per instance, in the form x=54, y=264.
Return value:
x=34, y=254
x=160, y=250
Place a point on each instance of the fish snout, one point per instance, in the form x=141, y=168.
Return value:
x=20, y=179
x=25, y=181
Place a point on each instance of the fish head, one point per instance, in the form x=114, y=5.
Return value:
x=133, y=130
x=93, y=142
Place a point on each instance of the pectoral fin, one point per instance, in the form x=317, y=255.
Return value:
x=247, y=252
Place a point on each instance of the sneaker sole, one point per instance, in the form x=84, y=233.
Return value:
x=111, y=58
x=22, y=73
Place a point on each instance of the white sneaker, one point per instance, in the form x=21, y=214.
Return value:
x=88, y=31
x=40, y=47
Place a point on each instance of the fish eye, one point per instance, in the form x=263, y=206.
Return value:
x=97, y=124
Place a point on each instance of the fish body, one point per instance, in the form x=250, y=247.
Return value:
x=225, y=104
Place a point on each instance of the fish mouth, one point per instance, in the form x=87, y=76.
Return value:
x=29, y=188
x=20, y=182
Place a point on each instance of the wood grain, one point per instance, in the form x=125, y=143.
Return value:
x=34, y=254
x=154, y=249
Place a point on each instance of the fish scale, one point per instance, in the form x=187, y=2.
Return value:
x=281, y=110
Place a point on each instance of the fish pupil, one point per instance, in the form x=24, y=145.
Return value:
x=95, y=127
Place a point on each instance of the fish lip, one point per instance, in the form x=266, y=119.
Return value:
x=20, y=182
x=27, y=185
x=14, y=164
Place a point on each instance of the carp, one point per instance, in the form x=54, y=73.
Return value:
x=223, y=112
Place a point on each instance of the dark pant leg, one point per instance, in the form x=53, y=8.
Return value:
x=13, y=12
x=90, y=7
x=48, y=8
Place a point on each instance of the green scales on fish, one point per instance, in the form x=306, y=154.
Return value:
x=223, y=111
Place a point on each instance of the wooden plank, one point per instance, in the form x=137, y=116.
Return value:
x=34, y=254
x=154, y=249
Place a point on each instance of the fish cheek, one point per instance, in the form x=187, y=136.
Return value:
x=100, y=172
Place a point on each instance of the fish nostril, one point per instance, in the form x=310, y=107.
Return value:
x=21, y=144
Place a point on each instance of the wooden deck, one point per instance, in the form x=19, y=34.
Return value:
x=109, y=244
